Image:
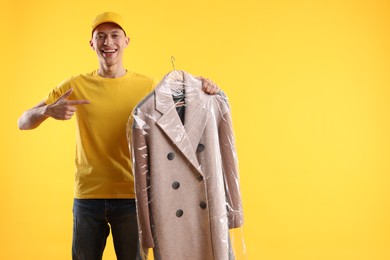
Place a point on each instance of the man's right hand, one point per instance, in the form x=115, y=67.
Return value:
x=64, y=109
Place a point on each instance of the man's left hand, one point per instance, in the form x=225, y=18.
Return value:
x=208, y=86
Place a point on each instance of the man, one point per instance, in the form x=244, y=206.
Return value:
x=103, y=100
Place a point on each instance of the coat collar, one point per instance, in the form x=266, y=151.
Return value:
x=186, y=137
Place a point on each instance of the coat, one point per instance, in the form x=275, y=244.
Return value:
x=186, y=177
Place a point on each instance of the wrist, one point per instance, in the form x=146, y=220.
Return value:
x=45, y=111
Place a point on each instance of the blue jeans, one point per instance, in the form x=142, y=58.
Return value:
x=92, y=220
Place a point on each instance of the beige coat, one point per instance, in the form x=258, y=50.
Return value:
x=186, y=177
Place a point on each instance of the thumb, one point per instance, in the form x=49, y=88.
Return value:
x=66, y=94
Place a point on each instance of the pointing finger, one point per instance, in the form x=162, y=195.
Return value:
x=77, y=102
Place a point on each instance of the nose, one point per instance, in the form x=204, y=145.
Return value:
x=108, y=41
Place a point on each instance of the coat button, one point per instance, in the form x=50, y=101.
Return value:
x=200, y=178
x=176, y=185
x=202, y=205
x=179, y=213
x=170, y=156
x=200, y=148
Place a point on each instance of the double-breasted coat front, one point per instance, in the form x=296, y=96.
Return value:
x=186, y=175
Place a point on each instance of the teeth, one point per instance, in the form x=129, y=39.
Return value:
x=110, y=51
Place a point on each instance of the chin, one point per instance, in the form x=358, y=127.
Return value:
x=109, y=62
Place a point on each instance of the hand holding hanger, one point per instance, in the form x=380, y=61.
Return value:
x=208, y=86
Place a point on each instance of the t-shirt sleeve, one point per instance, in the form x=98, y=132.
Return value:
x=57, y=92
x=154, y=84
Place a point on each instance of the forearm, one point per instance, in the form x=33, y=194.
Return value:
x=32, y=118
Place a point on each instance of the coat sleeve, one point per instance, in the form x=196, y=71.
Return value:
x=230, y=167
x=139, y=153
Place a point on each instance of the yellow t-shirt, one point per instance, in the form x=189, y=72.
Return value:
x=103, y=164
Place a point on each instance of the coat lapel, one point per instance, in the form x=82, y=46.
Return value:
x=186, y=138
x=196, y=112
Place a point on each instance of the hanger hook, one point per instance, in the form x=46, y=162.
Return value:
x=173, y=62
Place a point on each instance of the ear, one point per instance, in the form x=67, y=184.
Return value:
x=127, y=41
x=91, y=44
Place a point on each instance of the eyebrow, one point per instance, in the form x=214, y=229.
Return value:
x=114, y=31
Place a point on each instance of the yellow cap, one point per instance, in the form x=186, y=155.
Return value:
x=108, y=17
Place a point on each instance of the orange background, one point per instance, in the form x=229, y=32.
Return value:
x=308, y=83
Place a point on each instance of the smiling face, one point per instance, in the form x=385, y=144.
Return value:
x=109, y=42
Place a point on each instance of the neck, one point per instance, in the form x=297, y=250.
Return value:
x=114, y=71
